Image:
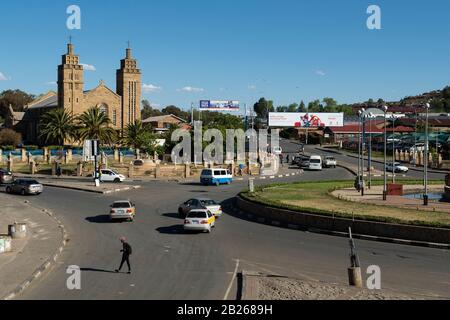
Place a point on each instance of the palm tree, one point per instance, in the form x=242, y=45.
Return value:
x=94, y=124
x=136, y=135
x=57, y=125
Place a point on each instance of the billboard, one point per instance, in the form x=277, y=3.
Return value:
x=306, y=120
x=219, y=105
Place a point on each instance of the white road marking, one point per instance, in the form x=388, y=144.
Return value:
x=232, y=280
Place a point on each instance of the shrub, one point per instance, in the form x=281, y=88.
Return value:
x=31, y=147
x=10, y=137
x=8, y=148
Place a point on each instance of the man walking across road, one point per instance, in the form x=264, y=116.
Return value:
x=126, y=252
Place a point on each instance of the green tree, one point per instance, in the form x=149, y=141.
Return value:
x=302, y=107
x=10, y=137
x=330, y=105
x=262, y=108
x=95, y=125
x=148, y=111
x=136, y=135
x=16, y=98
x=293, y=107
x=315, y=106
x=176, y=112
x=57, y=126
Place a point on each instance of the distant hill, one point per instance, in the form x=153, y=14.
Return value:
x=439, y=100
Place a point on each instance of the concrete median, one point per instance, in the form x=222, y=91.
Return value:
x=408, y=234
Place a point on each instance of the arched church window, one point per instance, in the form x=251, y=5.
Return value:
x=103, y=108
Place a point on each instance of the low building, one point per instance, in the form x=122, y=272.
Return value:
x=162, y=124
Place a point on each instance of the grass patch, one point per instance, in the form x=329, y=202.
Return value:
x=316, y=198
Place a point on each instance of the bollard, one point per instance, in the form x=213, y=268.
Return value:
x=251, y=185
x=355, y=277
x=17, y=230
x=80, y=169
x=32, y=167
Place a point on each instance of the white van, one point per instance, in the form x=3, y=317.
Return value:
x=315, y=163
x=216, y=177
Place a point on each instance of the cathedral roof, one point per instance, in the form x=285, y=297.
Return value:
x=49, y=100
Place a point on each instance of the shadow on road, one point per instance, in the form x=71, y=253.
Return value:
x=172, y=215
x=175, y=229
x=101, y=219
x=97, y=270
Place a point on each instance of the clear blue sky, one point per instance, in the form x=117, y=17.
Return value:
x=286, y=50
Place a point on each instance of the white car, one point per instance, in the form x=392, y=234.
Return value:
x=330, y=162
x=108, y=175
x=396, y=167
x=122, y=210
x=201, y=220
x=277, y=150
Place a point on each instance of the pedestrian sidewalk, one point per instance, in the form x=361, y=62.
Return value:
x=31, y=256
x=375, y=196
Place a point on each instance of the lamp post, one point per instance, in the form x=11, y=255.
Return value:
x=370, y=150
x=425, y=165
x=385, y=108
x=360, y=152
x=393, y=148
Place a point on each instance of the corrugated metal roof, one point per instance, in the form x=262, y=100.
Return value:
x=50, y=102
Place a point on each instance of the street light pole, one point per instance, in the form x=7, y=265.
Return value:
x=425, y=165
x=359, y=149
x=385, y=108
x=393, y=148
x=363, y=144
x=370, y=150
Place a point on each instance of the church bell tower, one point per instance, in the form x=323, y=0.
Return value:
x=70, y=82
x=129, y=88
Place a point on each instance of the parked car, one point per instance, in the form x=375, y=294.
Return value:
x=216, y=177
x=330, y=162
x=122, y=210
x=315, y=163
x=6, y=176
x=277, y=150
x=296, y=160
x=396, y=167
x=200, y=203
x=108, y=175
x=25, y=187
x=201, y=220
x=304, y=163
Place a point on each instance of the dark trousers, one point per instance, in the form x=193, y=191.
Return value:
x=125, y=258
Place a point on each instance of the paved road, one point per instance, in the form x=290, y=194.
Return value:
x=168, y=264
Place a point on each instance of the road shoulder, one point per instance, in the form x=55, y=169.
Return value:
x=30, y=257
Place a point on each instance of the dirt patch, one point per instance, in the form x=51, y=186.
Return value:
x=276, y=288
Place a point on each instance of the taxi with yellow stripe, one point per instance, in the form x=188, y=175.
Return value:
x=200, y=220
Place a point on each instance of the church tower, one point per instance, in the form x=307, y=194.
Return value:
x=129, y=88
x=70, y=82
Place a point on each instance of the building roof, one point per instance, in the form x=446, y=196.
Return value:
x=355, y=128
x=49, y=100
x=162, y=118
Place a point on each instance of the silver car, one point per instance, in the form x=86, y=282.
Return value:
x=25, y=187
x=200, y=203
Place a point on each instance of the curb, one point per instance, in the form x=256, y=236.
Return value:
x=271, y=177
x=257, y=219
x=92, y=191
x=46, y=265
